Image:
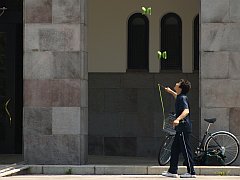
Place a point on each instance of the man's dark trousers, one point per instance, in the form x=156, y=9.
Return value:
x=181, y=144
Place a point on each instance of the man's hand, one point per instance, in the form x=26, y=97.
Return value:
x=175, y=123
x=167, y=89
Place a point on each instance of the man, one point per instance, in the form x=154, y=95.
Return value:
x=183, y=127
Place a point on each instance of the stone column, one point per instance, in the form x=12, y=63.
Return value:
x=55, y=122
x=220, y=64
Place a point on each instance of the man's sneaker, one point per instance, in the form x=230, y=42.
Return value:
x=168, y=174
x=187, y=175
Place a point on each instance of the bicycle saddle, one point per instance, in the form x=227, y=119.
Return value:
x=212, y=120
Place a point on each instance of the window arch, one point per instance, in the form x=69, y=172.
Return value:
x=171, y=41
x=138, y=40
x=196, y=43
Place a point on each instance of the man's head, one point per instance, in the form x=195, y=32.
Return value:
x=182, y=86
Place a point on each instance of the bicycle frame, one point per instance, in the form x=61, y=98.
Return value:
x=202, y=142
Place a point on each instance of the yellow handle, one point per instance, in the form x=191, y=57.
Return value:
x=160, y=93
x=6, y=109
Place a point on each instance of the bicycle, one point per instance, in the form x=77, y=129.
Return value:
x=222, y=141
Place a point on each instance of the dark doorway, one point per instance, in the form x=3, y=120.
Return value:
x=138, y=30
x=171, y=41
x=11, y=76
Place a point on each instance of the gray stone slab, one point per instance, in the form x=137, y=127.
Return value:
x=38, y=65
x=234, y=11
x=37, y=121
x=67, y=169
x=121, y=100
x=83, y=11
x=83, y=149
x=234, y=121
x=214, y=36
x=148, y=100
x=211, y=60
x=215, y=11
x=66, y=11
x=233, y=37
x=105, y=80
x=84, y=93
x=67, y=65
x=137, y=80
x=66, y=120
x=96, y=100
x=53, y=149
x=66, y=93
x=222, y=115
x=59, y=38
x=95, y=145
x=104, y=124
x=120, y=146
x=168, y=79
x=121, y=170
x=83, y=37
x=84, y=121
x=38, y=11
x=31, y=37
x=84, y=65
x=214, y=94
x=234, y=65
x=35, y=169
x=129, y=126
x=35, y=90
x=148, y=146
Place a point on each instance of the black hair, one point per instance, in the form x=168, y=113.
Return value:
x=185, y=85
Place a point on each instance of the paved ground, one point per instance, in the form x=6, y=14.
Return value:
x=116, y=177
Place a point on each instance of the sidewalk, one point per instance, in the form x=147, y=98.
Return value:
x=114, y=165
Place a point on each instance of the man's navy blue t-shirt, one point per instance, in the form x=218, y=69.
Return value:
x=180, y=105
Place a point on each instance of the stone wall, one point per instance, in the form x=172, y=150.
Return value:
x=55, y=122
x=220, y=64
x=125, y=116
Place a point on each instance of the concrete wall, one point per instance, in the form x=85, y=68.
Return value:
x=125, y=115
x=107, y=32
x=55, y=122
x=220, y=65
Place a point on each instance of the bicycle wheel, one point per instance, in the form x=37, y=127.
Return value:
x=164, y=154
x=225, y=142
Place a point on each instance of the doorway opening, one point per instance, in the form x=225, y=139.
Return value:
x=11, y=78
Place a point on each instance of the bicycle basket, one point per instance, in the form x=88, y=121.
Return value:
x=167, y=124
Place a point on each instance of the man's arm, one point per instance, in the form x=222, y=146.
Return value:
x=171, y=92
x=182, y=116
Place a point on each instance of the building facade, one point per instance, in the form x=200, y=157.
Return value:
x=85, y=93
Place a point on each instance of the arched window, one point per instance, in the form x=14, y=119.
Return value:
x=196, y=43
x=171, y=41
x=138, y=30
